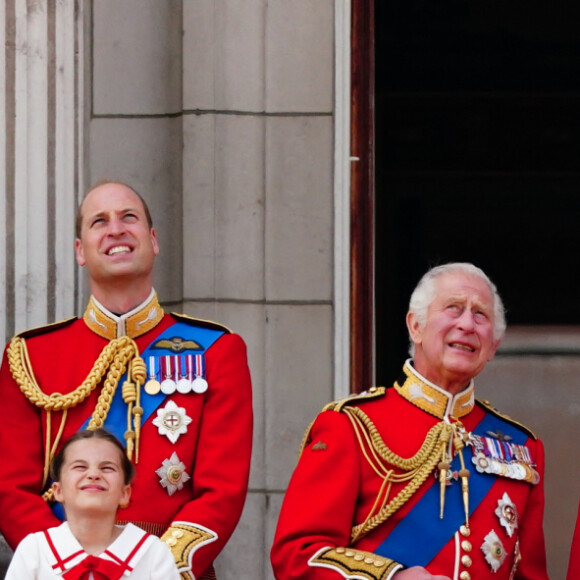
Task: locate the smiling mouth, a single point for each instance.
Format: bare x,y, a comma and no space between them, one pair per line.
460,346
119,250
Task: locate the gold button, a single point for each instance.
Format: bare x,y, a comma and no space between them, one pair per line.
379,563
465,531
466,561
340,550
349,553
368,560
465,575
466,546
359,557
171,542
177,533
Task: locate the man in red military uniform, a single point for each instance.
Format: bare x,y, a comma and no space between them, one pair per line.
420,481
177,390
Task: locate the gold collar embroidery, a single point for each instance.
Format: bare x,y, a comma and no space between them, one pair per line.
433,399
133,324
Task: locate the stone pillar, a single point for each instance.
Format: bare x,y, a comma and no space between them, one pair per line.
41,148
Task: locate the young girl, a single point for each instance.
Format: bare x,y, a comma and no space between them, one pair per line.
92,478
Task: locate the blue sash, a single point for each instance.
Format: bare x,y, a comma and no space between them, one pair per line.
423,520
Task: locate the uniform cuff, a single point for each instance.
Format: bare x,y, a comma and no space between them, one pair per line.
351,563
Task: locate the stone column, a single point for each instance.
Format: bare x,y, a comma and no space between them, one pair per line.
41,152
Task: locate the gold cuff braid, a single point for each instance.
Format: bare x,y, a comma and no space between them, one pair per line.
183,539
353,563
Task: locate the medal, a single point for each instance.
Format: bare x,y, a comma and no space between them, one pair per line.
493,550
168,386
184,383
172,421
507,514
172,474
199,384
152,386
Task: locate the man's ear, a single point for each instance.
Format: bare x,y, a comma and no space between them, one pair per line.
79,254
414,328
154,242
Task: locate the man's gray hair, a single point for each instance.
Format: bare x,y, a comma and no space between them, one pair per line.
425,293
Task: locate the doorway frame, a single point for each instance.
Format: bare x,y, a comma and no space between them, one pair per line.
362,222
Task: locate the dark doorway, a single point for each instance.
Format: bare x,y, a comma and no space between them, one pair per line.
477,142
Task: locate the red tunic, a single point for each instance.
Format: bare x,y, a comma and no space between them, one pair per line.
334,487
215,449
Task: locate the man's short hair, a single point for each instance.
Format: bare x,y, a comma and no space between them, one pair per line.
79,215
425,293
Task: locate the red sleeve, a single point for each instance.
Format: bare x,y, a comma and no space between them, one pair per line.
574,563
224,445
21,457
319,505
531,535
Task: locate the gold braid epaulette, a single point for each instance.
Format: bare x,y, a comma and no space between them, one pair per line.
113,361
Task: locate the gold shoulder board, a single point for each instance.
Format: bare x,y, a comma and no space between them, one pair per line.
355,398
46,328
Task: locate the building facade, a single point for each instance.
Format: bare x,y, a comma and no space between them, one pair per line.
232,119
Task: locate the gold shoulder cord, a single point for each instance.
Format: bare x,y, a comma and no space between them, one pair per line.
120,354
433,453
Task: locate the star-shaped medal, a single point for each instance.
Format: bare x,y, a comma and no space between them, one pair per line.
507,513
493,550
172,421
172,474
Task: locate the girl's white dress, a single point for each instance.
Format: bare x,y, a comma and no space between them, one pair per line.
56,552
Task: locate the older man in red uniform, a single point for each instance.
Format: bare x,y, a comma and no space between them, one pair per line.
177,390
420,481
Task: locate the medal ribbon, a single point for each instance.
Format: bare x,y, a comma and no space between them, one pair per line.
185,368
167,366
153,367
199,366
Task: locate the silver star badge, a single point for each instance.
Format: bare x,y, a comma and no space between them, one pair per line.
172,421
172,474
507,513
493,550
